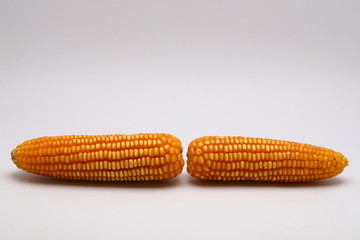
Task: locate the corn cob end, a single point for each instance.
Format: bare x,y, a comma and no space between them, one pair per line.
13,156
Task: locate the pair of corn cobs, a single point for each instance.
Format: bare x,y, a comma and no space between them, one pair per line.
153,157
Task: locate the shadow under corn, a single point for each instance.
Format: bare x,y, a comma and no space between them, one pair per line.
181,180
253,184
29,178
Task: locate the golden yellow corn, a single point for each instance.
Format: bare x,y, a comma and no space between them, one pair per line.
259,159
137,157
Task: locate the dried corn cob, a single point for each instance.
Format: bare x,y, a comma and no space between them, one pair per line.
258,159
137,157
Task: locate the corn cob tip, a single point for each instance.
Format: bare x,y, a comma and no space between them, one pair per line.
13,155
15,158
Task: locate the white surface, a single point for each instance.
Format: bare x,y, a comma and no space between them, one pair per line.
277,69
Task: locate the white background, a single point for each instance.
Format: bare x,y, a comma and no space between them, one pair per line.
277,69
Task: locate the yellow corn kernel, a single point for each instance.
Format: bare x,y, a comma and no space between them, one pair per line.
258,159
120,157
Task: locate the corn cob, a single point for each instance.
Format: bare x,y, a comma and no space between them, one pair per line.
137,157
259,159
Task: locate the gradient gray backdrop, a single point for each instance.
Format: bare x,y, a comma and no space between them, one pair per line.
278,69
